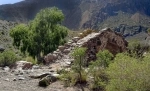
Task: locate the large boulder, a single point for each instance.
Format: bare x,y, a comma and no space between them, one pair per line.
47,80
50,58
104,39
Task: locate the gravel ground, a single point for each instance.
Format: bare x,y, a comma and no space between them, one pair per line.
13,80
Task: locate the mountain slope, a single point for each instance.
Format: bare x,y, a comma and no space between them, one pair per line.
84,13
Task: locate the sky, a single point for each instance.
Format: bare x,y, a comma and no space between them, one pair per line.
9,1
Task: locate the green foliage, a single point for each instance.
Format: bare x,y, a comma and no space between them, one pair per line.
100,79
43,35
129,74
148,30
31,59
136,49
7,58
19,33
71,78
97,70
79,60
104,58
77,73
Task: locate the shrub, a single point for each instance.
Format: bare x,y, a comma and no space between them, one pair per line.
31,59
99,80
86,32
77,73
7,58
128,74
136,49
79,60
97,70
72,78
104,58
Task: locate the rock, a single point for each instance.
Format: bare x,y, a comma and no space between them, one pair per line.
75,39
50,58
128,31
45,81
21,78
6,68
67,44
68,63
24,65
40,75
55,75
35,67
7,79
14,79
73,45
66,51
105,39
61,48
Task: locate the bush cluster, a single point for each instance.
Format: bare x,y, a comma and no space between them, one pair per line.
121,72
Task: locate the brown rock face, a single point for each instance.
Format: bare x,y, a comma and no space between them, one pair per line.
105,39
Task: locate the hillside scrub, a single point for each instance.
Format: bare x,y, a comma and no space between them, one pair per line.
97,70
42,35
129,74
7,58
77,74
109,73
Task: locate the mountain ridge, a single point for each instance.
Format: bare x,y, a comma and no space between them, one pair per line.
80,14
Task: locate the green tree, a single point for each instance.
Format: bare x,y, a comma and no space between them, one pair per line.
97,70
42,35
79,56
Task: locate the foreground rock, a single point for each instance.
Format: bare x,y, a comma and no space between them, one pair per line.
47,80
23,65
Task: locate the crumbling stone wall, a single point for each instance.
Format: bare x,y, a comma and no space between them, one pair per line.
94,42
105,39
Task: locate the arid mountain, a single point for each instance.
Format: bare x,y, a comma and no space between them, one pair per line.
93,14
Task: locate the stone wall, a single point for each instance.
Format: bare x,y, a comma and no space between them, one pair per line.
94,42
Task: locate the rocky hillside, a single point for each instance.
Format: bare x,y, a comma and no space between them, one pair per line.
95,14
5,40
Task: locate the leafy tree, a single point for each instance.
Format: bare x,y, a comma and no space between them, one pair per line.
42,35
79,56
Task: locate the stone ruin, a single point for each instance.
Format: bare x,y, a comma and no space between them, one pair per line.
104,39
94,42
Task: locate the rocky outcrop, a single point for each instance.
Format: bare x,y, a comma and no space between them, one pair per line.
104,39
127,30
